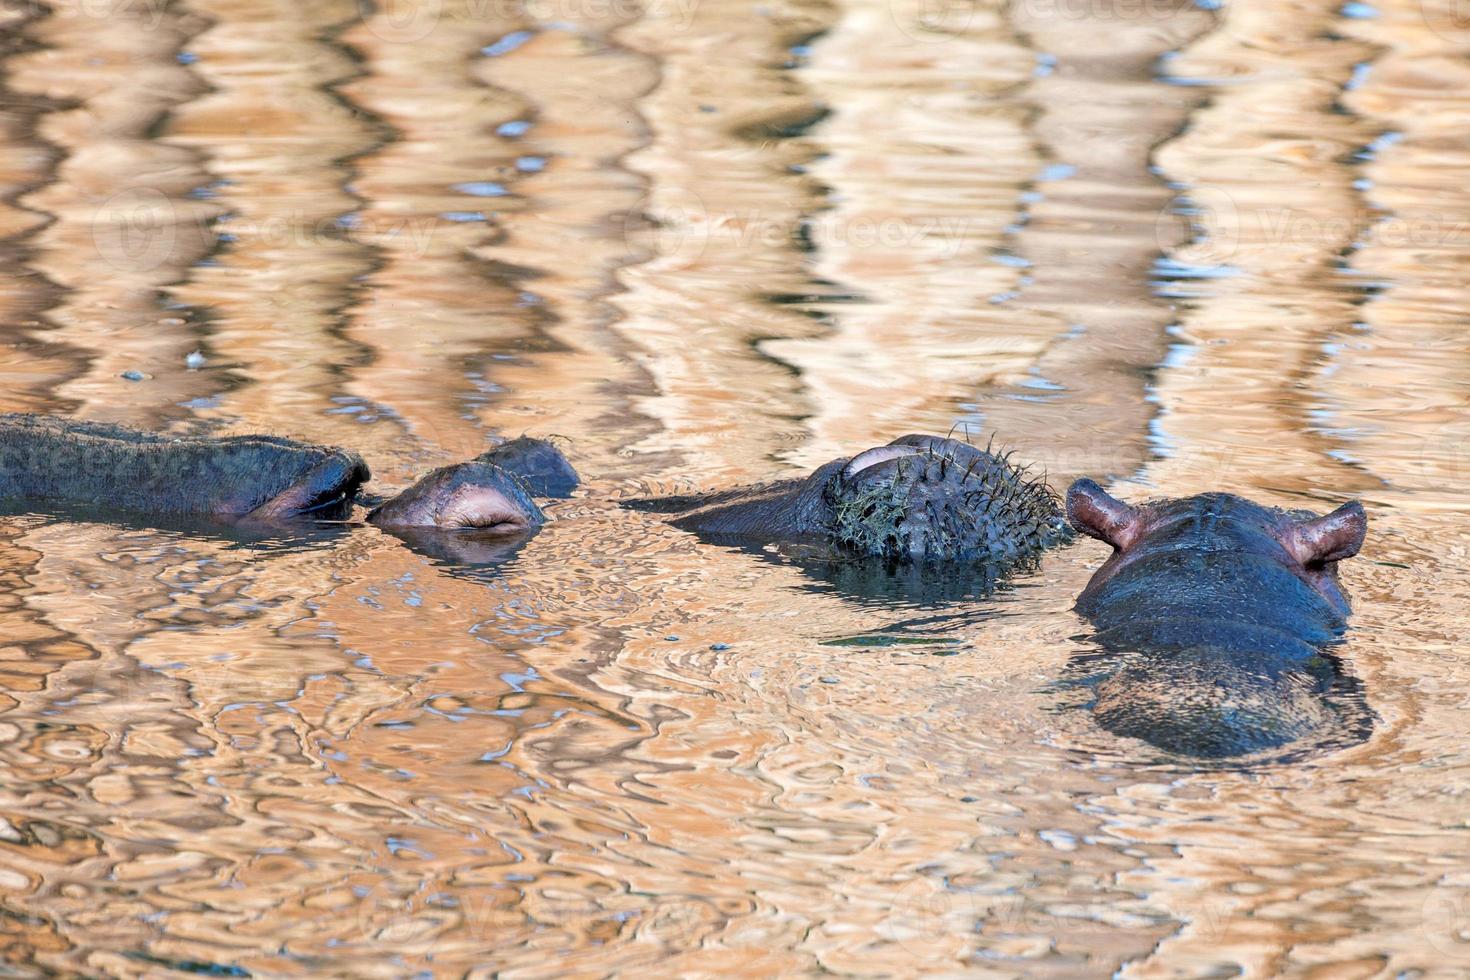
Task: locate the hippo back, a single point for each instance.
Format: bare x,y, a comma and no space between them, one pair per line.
95,464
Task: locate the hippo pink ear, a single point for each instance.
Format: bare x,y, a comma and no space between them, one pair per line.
1337,536
1094,513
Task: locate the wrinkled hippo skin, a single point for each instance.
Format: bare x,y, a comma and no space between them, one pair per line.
918,499
54,461
1216,617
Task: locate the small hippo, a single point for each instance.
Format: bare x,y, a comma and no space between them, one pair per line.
491,493
1215,615
918,499
263,479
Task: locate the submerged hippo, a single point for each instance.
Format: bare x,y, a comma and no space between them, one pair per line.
1215,616
263,479
918,499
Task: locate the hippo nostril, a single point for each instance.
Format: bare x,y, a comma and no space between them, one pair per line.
329,501
873,457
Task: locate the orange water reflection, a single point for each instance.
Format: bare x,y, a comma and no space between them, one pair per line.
708,242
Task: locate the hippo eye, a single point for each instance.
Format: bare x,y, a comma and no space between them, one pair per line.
874,457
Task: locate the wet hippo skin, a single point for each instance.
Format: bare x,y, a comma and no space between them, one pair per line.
51,460
1215,617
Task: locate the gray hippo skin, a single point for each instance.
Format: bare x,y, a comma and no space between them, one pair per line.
55,461
48,461
1216,616
918,499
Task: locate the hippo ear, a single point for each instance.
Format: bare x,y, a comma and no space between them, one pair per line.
1094,513
1337,536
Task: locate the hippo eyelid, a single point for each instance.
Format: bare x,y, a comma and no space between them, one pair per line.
874,457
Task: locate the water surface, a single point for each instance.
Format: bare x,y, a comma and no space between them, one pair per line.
1171,247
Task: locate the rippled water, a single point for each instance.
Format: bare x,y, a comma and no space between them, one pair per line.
1175,247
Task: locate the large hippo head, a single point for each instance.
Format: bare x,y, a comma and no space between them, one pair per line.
1307,546
1215,617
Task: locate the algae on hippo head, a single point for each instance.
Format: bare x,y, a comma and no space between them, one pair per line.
924,498
919,499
